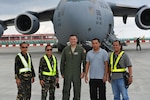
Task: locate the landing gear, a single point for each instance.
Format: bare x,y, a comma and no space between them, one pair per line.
60,47
87,47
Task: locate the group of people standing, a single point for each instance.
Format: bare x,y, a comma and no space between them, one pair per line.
24,73
97,62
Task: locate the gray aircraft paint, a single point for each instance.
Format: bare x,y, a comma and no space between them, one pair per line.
85,18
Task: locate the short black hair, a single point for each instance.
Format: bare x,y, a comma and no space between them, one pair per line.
119,43
23,43
96,39
73,35
48,46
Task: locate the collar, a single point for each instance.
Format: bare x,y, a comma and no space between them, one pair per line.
97,51
48,57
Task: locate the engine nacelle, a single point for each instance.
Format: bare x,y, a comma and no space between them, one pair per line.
27,23
1,30
142,18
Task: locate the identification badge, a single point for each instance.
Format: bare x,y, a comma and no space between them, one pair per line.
75,53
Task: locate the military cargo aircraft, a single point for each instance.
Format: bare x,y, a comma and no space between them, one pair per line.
85,18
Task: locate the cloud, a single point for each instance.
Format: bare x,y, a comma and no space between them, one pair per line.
129,30
131,2
46,27
10,7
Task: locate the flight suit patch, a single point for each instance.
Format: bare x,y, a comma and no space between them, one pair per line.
75,53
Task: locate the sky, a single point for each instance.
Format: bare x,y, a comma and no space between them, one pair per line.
12,8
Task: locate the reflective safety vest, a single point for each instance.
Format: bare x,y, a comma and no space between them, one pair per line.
27,66
114,65
52,70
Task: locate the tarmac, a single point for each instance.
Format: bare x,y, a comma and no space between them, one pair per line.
138,90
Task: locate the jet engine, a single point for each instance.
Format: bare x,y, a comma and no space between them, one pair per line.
142,18
27,23
1,30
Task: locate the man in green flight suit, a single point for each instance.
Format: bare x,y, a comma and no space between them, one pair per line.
70,67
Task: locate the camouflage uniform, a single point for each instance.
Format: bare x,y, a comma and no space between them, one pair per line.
49,81
24,89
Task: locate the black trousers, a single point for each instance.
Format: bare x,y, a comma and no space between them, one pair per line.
97,89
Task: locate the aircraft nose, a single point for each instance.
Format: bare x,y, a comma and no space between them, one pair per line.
76,17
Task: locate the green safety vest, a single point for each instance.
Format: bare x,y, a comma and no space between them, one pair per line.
114,66
52,70
27,66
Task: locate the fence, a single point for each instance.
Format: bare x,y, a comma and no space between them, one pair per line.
30,39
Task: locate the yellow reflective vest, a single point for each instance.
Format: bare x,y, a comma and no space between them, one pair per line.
27,65
52,70
114,64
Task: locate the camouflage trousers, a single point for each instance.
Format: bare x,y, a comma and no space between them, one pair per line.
49,85
24,90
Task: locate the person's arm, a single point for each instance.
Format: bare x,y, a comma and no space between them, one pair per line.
41,68
62,63
17,62
84,59
129,65
83,62
86,71
105,66
32,68
57,73
40,71
32,71
106,71
130,74
109,73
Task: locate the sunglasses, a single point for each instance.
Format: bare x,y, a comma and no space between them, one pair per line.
49,49
24,47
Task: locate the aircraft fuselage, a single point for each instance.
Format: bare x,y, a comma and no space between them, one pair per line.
87,19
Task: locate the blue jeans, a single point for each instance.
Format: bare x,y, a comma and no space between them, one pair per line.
118,88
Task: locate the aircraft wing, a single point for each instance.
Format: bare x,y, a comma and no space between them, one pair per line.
141,14
28,18
45,15
28,22
123,10
118,10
